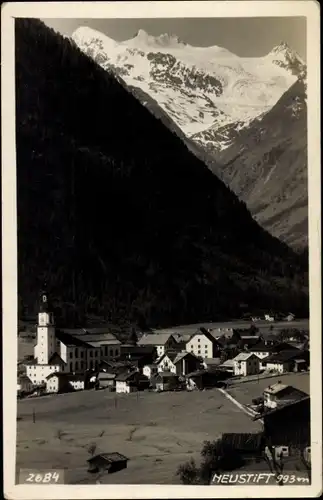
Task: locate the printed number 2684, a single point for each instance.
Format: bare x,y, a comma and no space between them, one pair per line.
46,477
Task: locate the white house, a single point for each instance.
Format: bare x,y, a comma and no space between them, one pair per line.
166,363
268,317
279,394
246,363
64,382
203,344
127,382
262,352
179,363
161,341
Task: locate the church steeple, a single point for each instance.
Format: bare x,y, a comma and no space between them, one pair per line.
44,300
45,315
46,344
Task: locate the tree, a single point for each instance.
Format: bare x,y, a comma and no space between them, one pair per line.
216,456
189,472
133,338
253,329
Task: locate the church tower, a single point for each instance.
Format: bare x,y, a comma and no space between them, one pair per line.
46,341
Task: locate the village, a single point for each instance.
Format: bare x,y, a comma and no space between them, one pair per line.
223,359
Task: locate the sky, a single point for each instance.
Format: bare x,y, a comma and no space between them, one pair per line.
249,37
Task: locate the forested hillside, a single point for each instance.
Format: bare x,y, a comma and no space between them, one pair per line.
117,215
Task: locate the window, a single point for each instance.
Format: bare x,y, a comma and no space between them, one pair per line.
199,340
91,354
112,352
105,350
71,355
76,365
96,354
71,367
205,346
82,354
76,353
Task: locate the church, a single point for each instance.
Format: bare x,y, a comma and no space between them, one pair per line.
67,350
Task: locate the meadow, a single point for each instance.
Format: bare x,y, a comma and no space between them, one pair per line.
157,432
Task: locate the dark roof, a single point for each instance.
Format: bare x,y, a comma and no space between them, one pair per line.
106,376
124,376
209,335
284,356
55,359
100,337
162,375
285,346
108,457
243,441
66,376
250,341
32,361
261,347
138,349
292,405
70,340
170,354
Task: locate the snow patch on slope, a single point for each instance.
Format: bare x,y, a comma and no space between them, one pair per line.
203,89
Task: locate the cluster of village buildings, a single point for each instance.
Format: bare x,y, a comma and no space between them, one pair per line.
76,359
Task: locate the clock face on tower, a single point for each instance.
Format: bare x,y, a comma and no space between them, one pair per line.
44,302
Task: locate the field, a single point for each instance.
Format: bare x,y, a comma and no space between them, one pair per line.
245,392
301,324
157,432
25,347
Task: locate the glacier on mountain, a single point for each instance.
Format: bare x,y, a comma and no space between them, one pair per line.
209,92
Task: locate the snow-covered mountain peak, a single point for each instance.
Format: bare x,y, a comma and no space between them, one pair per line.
281,47
285,53
85,35
142,39
200,88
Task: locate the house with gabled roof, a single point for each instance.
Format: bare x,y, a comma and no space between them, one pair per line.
286,361
246,363
279,394
179,363
289,426
166,381
130,381
203,344
109,462
161,341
